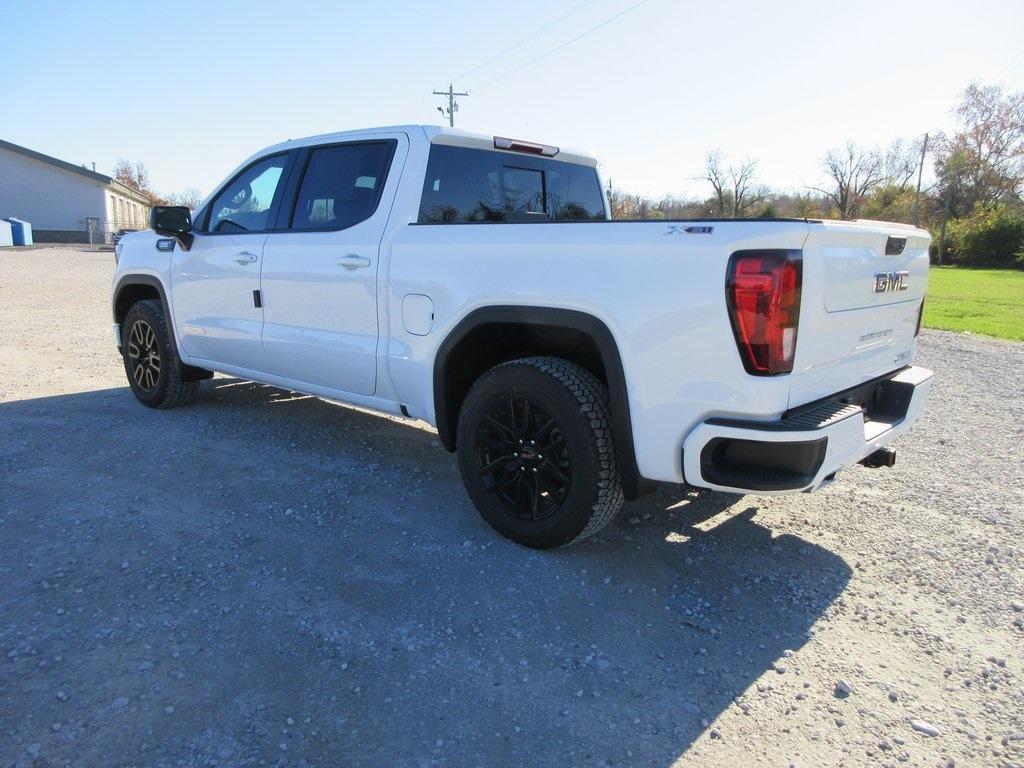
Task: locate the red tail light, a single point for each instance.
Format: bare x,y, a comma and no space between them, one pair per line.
763,293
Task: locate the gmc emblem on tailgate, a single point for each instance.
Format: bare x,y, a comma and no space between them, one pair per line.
891,282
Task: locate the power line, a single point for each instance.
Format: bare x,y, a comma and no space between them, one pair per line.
557,48
528,38
1008,64
512,47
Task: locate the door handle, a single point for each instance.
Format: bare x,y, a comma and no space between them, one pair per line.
353,261
245,257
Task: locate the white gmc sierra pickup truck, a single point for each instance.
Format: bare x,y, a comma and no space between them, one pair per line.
478,283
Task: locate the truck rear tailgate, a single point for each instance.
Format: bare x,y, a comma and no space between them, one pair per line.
863,283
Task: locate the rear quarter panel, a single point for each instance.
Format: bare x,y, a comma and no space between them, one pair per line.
659,290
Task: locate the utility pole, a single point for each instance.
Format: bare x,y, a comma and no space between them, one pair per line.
917,197
453,106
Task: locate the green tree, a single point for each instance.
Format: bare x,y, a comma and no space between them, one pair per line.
992,235
983,161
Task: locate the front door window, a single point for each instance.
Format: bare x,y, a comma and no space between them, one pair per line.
244,204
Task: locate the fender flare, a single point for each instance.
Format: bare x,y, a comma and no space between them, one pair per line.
618,394
139,279
188,372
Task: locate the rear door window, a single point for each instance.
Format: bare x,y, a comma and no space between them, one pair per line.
341,185
465,185
461,186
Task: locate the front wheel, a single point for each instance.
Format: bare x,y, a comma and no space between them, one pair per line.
150,360
536,453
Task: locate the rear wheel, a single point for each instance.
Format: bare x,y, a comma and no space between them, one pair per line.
536,453
150,361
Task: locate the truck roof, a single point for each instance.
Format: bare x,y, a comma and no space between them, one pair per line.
438,134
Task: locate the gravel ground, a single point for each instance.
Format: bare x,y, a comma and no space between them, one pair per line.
268,579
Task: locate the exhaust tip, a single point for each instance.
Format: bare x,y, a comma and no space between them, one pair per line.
883,457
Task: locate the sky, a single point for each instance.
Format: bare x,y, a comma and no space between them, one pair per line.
193,88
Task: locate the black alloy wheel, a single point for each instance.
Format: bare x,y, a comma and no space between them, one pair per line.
523,458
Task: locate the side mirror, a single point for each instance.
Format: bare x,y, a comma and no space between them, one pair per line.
174,221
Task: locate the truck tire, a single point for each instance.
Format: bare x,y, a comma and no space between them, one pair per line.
535,451
151,361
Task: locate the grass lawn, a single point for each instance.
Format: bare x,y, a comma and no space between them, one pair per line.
986,301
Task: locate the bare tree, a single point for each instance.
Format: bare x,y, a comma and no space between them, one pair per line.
134,175
899,163
852,173
673,207
745,193
190,197
735,190
718,177
629,206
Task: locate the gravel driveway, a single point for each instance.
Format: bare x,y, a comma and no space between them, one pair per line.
264,578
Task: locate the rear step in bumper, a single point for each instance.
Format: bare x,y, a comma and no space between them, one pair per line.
809,444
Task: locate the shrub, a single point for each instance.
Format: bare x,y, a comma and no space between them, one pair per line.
889,203
990,236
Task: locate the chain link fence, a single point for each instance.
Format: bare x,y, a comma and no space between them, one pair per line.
109,235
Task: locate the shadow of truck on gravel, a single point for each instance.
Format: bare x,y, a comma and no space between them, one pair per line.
264,576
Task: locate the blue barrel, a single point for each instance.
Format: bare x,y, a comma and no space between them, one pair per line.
21,231
6,237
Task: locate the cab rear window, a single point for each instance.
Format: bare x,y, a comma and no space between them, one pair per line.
465,185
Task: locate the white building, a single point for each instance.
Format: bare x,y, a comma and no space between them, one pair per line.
66,203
